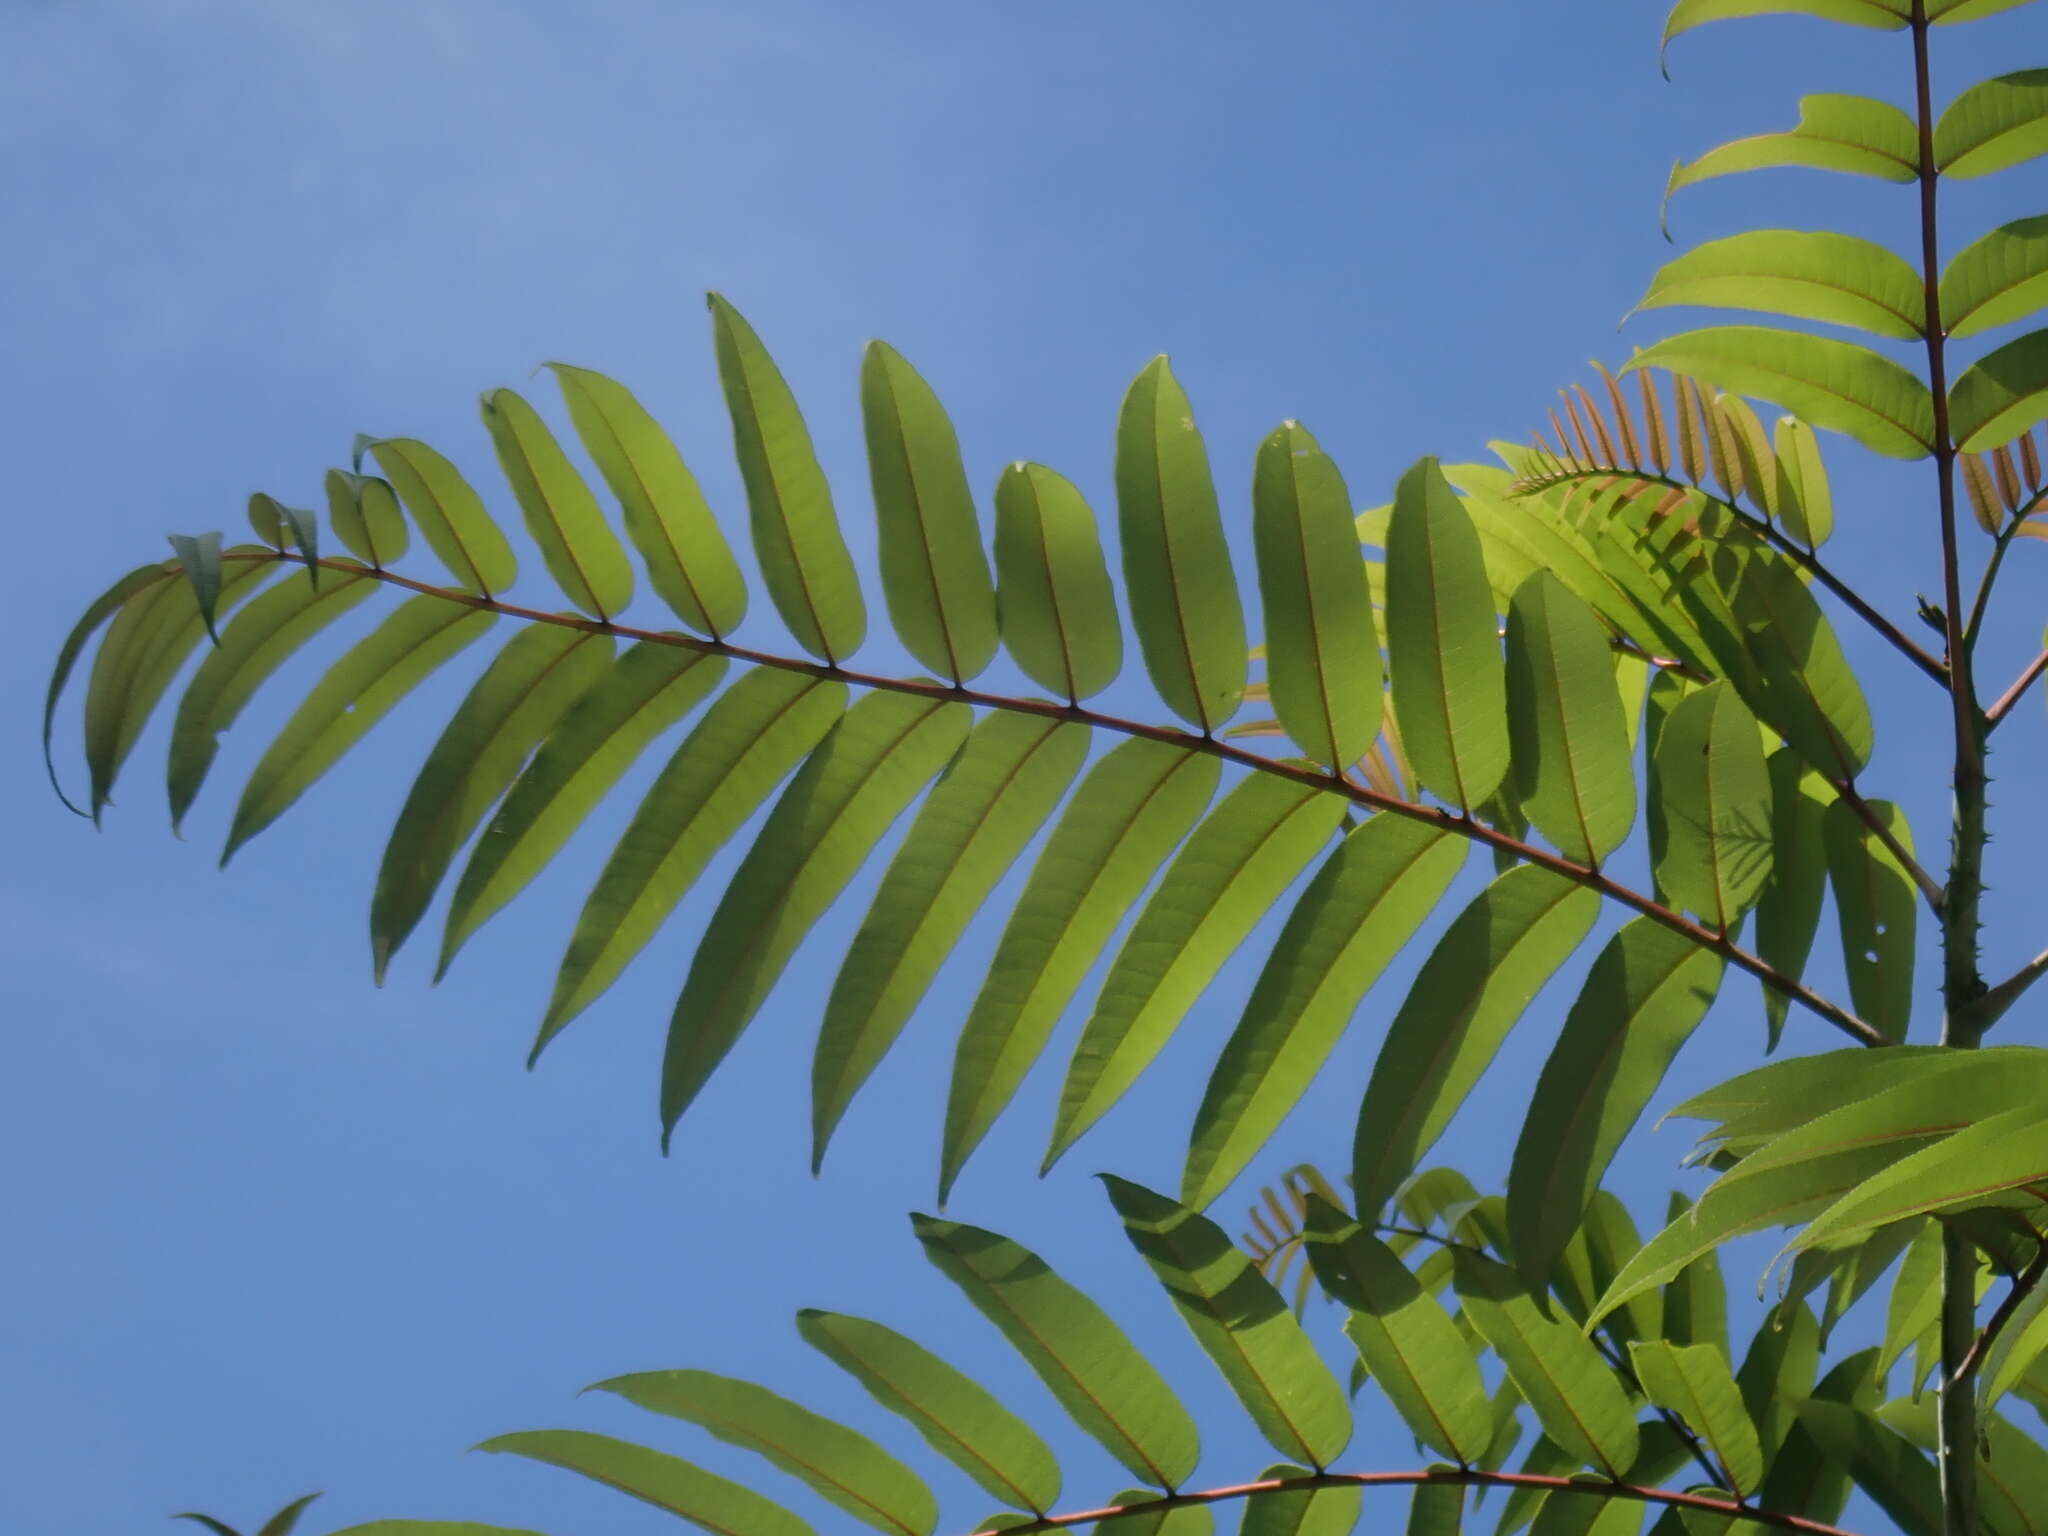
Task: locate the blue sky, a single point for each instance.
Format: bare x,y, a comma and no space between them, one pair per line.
272,1229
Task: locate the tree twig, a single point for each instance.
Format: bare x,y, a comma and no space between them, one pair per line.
2022,1286
1989,1008
1450,1477
2006,700
1857,1029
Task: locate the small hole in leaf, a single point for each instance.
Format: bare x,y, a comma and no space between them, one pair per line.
1870,955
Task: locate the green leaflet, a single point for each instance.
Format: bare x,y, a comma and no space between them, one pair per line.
1877,909
1694,1382
1797,680
582,554
1788,910
1476,983
358,691
1576,1398
1886,1466
803,556
363,512
1851,134
745,745
689,564
1443,646
1322,649
1803,1477
1997,279
108,605
934,574
1231,873
1696,1299
461,1527
654,1477
199,558
154,632
286,1520
1970,1168
840,1466
1839,279
1304,1512
989,804
1834,384
1947,12
957,1417
1993,125
1714,801
877,760
1777,1373
1241,1322
1106,1385
2012,1469
1436,1509
1607,1239
527,689
283,528
646,691
2018,1346
2001,395
1915,1302
1805,504
1187,1520
450,514
260,640
1177,569
1570,740
1884,15
1408,1342
1135,805
1358,913
1054,598
1644,996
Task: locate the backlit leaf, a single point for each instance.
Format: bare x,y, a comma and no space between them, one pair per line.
521,697
646,691
1134,806
989,804
1576,1398
1177,568
1835,384
1805,503
745,745
1099,1377
2002,394
1887,1467
803,556
1476,983
286,527
934,573
877,760
1851,134
654,1477
1997,279
1357,914
363,511
450,515
1307,1512
1695,1383
1241,1322
689,564
1448,679
1322,649
1569,739
262,638
1408,1342
1994,124
1232,871
357,692
582,553
1644,996
1877,907
155,577
1056,604
1839,279
1788,909
1714,798
959,1419
840,1466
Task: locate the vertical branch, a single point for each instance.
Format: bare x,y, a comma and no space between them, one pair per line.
1961,983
